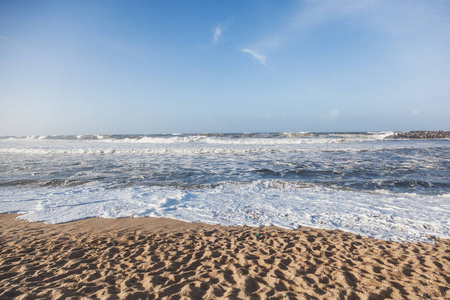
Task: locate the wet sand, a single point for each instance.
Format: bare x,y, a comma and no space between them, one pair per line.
152,258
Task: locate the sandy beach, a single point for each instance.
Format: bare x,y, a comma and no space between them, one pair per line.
152,258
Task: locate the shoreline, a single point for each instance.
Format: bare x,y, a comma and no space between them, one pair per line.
154,258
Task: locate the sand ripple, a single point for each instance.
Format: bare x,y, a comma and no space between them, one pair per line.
186,261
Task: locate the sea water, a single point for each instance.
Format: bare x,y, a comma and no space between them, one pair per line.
365,183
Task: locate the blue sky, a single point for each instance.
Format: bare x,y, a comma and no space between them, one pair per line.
86,67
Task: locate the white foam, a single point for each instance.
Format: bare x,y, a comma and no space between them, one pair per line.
287,204
245,141
190,145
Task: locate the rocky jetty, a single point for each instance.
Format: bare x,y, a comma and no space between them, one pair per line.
423,135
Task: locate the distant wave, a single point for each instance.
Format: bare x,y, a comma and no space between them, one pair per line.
156,151
181,151
236,138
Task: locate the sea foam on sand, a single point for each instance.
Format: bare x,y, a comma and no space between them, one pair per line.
382,215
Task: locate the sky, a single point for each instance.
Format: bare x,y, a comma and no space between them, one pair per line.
137,67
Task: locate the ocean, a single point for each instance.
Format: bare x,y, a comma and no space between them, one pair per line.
364,182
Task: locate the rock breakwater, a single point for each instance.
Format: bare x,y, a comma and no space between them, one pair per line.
423,134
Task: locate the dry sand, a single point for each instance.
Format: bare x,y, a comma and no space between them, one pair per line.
150,258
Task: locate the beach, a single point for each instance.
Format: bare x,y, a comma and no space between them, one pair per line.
224,150
161,258
224,216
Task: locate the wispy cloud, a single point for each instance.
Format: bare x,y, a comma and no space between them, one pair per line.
413,23
217,33
220,29
331,115
312,14
259,57
334,113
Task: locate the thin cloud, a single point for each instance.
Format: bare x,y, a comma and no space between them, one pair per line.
259,57
331,115
415,21
312,14
334,113
220,29
217,33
